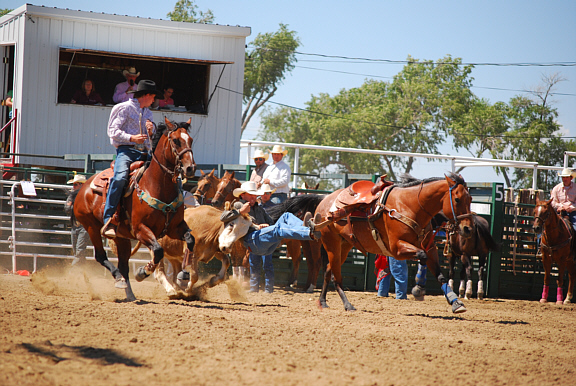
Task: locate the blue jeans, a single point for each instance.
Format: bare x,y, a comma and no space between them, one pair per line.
264,241
278,198
125,155
399,270
256,269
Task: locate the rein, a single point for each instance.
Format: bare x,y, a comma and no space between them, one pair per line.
556,246
177,163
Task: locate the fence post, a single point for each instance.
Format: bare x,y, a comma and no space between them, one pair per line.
496,225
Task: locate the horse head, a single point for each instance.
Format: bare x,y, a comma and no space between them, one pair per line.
457,205
206,187
177,149
233,230
225,189
542,212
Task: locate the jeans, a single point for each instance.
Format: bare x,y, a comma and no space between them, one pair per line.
278,198
80,240
399,270
256,269
125,155
264,241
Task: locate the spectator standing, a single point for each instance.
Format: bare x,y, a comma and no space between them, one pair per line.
260,161
80,238
277,175
387,267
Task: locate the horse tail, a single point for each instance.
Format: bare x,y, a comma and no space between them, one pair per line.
297,205
483,231
136,248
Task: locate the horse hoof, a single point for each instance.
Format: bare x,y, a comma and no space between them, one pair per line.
559,302
480,295
418,292
458,307
567,301
349,307
543,301
140,274
121,283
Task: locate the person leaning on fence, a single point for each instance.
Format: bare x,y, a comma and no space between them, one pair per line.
277,175
564,196
80,238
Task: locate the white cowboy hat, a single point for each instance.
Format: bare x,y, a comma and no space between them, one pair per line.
78,178
249,187
567,172
265,188
130,71
278,150
260,154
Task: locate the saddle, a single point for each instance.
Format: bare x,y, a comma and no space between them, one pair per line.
357,198
101,181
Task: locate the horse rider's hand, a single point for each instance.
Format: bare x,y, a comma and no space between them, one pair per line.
138,138
265,181
149,127
260,226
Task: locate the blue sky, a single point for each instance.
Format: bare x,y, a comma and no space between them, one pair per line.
477,31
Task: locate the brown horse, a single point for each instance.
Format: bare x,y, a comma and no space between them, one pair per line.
206,187
225,189
152,209
558,245
480,243
399,227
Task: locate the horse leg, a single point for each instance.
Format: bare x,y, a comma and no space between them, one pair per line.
145,271
293,251
481,268
560,281
467,270
193,267
311,250
547,263
337,272
124,249
100,256
163,279
571,267
183,277
452,262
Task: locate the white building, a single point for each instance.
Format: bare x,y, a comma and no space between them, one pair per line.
48,52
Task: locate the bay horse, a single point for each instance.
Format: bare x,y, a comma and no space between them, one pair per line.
399,227
213,238
206,187
152,209
298,206
480,243
225,189
558,244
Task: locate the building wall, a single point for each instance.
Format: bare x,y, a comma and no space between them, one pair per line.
57,129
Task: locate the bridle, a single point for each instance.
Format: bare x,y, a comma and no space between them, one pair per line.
455,222
202,197
547,211
177,154
224,192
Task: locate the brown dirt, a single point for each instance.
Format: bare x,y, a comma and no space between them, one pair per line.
76,330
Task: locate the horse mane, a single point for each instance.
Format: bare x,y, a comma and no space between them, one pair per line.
407,180
297,205
161,129
483,232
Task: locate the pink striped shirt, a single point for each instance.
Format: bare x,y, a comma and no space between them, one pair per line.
562,195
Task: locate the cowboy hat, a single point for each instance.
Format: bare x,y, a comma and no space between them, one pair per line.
145,87
265,188
260,154
249,187
567,172
278,150
78,179
131,71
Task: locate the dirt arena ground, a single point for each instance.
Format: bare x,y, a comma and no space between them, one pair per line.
76,329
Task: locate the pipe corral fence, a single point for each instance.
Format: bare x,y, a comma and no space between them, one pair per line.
35,232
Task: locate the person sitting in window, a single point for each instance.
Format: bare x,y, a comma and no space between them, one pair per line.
121,92
87,95
167,98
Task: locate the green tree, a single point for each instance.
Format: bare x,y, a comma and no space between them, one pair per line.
4,11
186,10
267,63
412,113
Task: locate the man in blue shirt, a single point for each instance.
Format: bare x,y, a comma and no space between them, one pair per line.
129,128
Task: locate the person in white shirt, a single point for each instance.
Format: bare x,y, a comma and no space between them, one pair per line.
277,175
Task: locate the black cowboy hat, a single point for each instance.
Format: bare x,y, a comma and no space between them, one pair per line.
146,87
